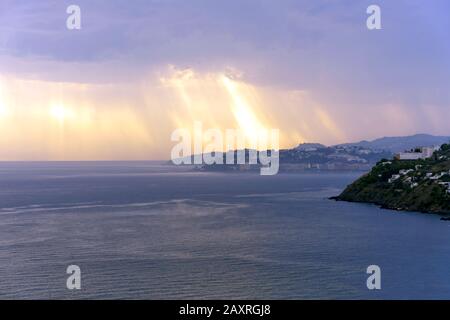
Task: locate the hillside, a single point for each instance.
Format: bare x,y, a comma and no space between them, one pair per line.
360,156
413,185
308,157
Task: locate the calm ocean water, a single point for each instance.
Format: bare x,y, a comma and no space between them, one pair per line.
142,230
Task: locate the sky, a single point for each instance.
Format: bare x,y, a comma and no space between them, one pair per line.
137,70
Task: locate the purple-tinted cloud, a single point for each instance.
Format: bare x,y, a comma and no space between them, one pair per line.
323,47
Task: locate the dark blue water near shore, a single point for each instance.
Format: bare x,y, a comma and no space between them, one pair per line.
143,230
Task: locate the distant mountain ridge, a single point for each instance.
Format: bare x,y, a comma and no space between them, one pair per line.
309,146
360,156
398,144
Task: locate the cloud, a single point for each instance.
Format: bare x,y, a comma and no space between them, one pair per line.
311,68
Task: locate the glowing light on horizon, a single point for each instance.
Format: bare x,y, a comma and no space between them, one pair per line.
3,110
61,113
55,121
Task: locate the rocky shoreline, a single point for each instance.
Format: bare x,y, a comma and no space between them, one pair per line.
415,185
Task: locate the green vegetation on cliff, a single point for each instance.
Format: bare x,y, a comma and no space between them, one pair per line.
413,185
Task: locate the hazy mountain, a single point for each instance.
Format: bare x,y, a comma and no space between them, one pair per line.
398,144
309,146
349,156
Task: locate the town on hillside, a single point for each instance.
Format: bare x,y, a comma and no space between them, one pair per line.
417,180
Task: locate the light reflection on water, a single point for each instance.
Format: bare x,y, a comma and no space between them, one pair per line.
146,230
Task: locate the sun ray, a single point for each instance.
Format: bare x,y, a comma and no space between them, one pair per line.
245,117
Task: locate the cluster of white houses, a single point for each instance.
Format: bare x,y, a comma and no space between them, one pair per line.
412,177
446,185
412,181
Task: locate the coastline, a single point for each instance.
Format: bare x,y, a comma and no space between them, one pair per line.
445,216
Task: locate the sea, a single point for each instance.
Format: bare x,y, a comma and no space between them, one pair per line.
148,230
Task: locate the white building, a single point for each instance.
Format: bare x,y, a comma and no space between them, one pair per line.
405,171
393,178
425,152
428,151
